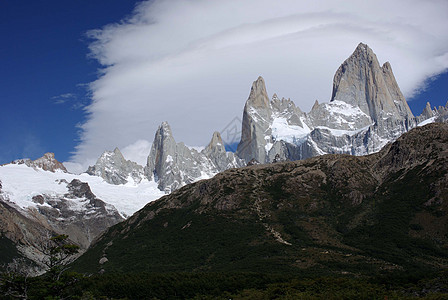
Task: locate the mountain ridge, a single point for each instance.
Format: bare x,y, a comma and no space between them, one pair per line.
366,111
339,213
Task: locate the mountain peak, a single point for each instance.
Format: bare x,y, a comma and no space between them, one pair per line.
216,141
361,82
47,163
115,169
256,121
427,111
117,151
363,48
165,128
258,96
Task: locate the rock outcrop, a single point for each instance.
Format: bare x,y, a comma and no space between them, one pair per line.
366,111
115,169
47,163
173,165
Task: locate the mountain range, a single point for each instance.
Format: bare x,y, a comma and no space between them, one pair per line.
366,113
331,214
367,110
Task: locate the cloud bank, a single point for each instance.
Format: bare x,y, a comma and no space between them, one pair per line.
192,63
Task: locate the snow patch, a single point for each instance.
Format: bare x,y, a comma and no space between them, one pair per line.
21,183
293,134
343,108
427,121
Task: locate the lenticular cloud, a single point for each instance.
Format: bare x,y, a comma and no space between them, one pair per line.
192,63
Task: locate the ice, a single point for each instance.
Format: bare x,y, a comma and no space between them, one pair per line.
20,183
281,130
343,108
427,121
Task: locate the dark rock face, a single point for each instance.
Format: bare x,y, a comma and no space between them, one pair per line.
334,213
79,189
253,162
78,213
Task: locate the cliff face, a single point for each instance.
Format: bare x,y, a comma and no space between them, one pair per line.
173,165
366,111
362,82
332,213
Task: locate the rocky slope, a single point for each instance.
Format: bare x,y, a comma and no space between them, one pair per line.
331,214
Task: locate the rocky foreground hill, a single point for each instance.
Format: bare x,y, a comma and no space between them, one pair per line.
333,214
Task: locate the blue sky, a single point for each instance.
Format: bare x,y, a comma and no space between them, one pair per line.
43,55
50,65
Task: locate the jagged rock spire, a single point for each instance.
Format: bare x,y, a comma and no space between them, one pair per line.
173,164
256,120
215,143
115,169
361,82
258,97
162,151
427,111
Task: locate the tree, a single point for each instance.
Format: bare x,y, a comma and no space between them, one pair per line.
14,280
58,254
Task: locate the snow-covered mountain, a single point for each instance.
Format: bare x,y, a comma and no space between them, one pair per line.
37,202
115,169
171,165
367,110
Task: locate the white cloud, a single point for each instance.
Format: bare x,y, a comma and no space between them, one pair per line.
76,168
137,152
63,98
192,63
